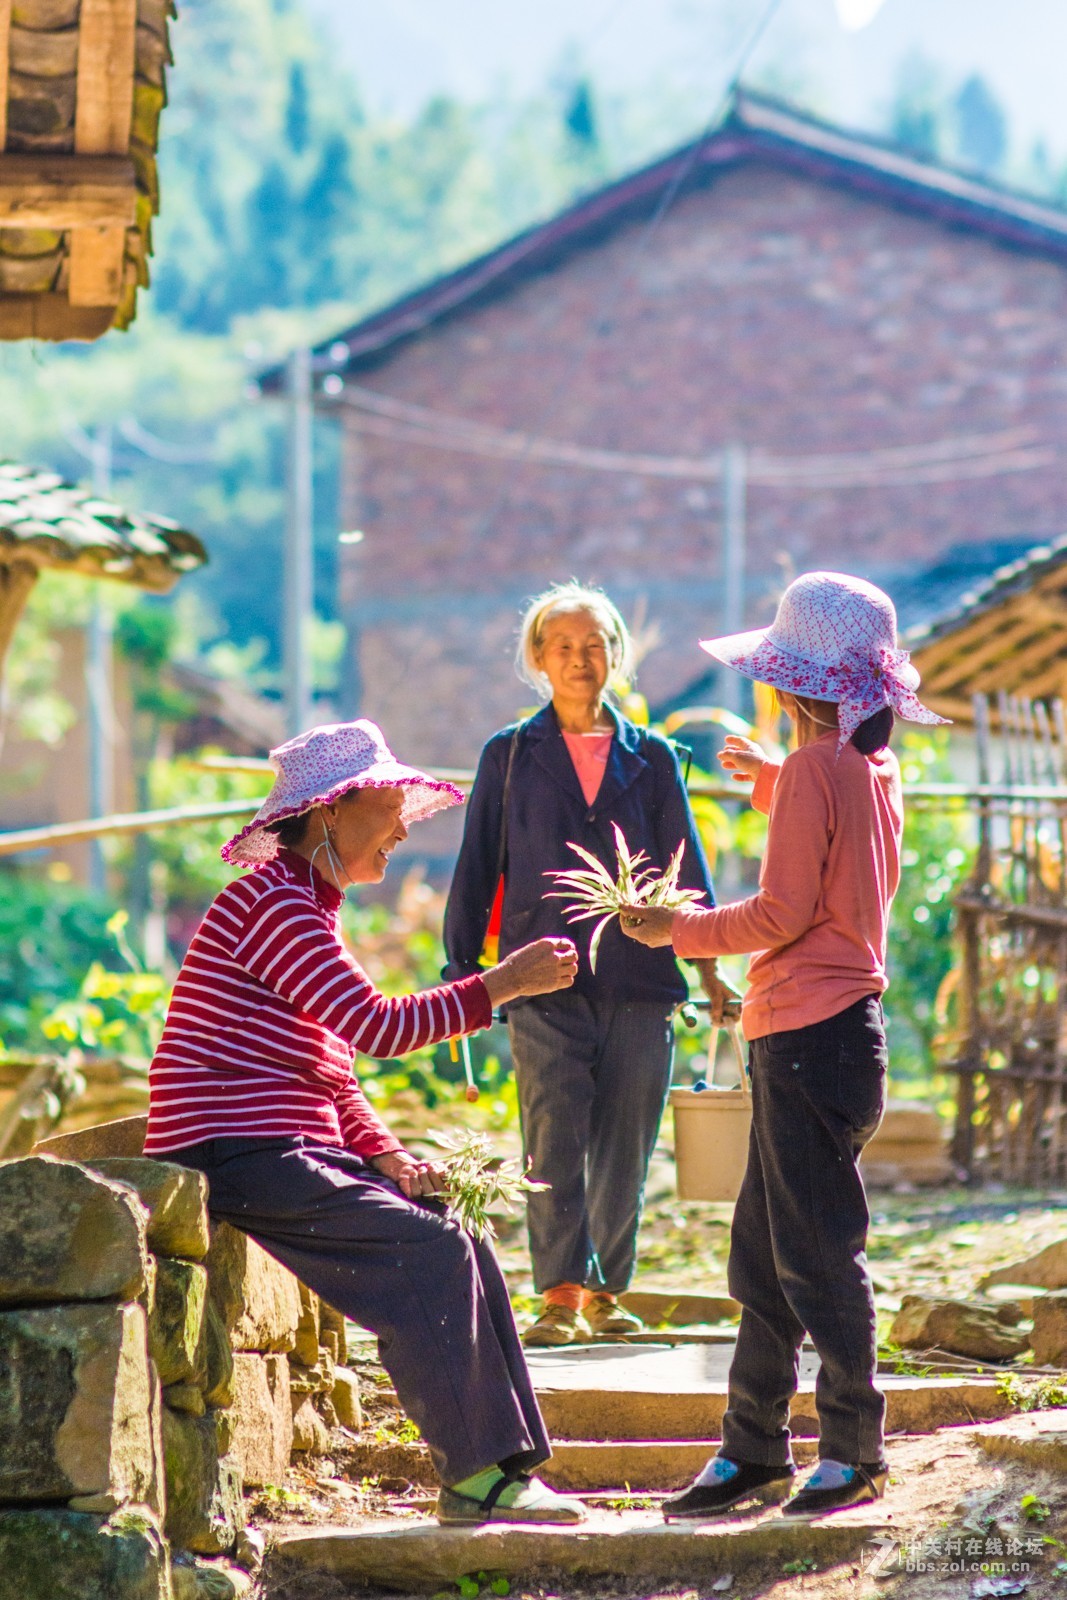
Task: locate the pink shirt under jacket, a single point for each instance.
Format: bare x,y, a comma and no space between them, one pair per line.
830,871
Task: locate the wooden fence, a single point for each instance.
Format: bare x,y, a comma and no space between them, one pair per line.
1011,1041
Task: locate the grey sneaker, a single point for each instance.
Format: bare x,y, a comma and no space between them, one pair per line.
530,1501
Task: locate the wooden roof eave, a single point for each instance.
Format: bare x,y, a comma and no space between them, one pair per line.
1018,645
84,175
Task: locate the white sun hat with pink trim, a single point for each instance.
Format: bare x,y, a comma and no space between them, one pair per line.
834,638
320,766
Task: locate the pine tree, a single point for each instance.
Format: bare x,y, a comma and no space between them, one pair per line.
981,128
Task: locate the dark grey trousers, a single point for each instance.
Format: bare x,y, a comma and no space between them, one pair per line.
434,1296
798,1260
592,1077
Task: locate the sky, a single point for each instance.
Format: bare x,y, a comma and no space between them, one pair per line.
405,50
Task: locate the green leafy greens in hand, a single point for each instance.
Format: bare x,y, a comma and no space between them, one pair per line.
476,1180
597,894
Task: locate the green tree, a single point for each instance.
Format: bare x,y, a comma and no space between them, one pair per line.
936,857
917,113
981,127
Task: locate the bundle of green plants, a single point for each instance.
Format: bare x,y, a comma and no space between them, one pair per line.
595,893
478,1181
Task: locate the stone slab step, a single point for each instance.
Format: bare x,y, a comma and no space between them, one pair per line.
640,1466
1039,1442
694,1333
659,1306
421,1557
644,1392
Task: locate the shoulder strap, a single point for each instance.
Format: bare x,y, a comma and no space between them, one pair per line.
503,850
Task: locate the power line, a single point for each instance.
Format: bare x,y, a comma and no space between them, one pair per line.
937,461
150,444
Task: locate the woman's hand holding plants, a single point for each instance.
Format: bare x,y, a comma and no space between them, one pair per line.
413,1178
742,757
537,968
649,925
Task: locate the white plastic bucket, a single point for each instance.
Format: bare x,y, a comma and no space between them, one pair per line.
711,1128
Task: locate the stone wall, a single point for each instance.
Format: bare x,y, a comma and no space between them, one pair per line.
151,1368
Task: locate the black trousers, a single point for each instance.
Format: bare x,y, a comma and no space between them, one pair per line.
434,1296
798,1259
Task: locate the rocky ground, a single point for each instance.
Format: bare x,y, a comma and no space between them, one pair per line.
957,1521
944,1487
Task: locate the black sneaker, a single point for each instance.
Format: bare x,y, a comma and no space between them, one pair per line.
767,1485
863,1483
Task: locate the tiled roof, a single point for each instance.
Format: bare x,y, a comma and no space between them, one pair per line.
1007,633
982,590
925,597
50,523
756,129
79,129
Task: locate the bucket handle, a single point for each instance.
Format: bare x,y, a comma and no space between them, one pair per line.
732,1025
733,1028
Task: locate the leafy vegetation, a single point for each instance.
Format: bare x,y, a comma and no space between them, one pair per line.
477,1182
595,893
1034,1509
1033,1394
121,1012
50,934
937,855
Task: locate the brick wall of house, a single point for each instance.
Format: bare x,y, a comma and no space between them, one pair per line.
769,309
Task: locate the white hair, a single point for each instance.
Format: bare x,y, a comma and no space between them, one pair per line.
560,600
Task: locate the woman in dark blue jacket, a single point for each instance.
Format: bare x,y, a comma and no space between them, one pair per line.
593,1065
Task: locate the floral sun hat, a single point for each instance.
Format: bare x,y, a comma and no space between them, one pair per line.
834,638
318,767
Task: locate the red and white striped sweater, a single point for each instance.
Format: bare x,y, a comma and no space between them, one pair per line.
267,1012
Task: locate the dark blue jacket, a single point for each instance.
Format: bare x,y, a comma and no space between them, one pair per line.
642,790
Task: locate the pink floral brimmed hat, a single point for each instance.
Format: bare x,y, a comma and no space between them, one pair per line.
318,767
834,638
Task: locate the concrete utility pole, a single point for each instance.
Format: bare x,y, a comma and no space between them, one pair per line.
733,485
99,676
299,553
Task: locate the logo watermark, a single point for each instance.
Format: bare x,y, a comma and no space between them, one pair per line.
979,1556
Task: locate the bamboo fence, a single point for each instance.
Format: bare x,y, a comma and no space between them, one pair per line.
1010,1045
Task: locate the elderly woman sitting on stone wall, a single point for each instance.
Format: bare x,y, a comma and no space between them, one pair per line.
253,1085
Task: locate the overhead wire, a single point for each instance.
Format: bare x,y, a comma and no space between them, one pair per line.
935,461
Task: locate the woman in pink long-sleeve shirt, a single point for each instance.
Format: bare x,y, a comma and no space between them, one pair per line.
813,1017
829,874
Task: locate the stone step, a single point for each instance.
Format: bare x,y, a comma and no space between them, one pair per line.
1039,1442
634,1546
640,1466
662,1306
645,1392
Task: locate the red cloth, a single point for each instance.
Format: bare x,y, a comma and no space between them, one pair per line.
267,1012
829,874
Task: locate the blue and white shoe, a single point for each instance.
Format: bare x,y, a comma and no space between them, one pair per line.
835,1485
724,1484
